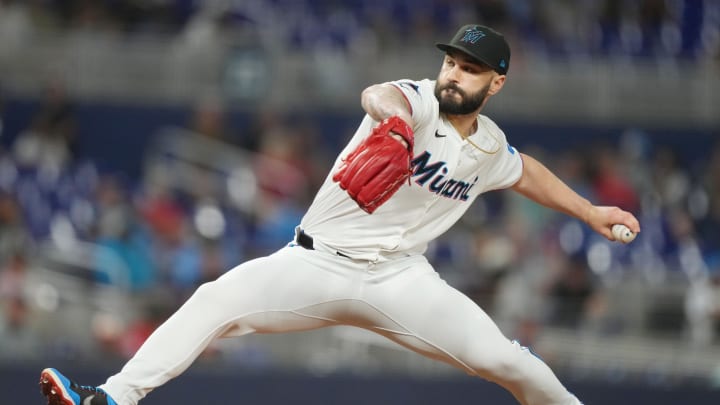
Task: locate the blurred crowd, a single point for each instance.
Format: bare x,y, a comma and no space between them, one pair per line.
156,237
630,28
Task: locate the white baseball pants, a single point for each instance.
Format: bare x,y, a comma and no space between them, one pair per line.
296,289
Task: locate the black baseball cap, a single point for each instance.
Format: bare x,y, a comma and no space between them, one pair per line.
483,44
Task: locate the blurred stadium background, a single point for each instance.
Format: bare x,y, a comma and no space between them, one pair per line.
148,146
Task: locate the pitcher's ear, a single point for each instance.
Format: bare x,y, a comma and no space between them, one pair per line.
497,84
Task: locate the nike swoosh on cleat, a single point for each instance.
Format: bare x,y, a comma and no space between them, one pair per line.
439,135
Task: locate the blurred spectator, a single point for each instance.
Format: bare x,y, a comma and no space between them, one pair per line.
209,119
49,140
707,212
15,25
571,168
274,224
520,304
205,26
17,334
634,149
122,338
213,262
282,169
176,253
610,181
702,310
686,248
571,292
282,173
494,255
14,236
670,178
119,232
13,275
19,341
156,309
261,122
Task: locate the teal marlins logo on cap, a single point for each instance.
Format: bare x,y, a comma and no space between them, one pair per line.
472,35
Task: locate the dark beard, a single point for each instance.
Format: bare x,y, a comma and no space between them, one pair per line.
467,105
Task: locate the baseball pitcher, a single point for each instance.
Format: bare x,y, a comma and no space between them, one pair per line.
421,155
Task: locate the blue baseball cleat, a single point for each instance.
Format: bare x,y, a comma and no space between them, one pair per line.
59,390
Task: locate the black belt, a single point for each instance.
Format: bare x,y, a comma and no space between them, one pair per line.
306,241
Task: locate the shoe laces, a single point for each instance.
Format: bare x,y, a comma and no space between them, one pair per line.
92,389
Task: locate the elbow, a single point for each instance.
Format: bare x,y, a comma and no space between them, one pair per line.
382,101
521,184
369,96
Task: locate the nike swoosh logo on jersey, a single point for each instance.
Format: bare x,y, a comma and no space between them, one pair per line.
439,135
88,400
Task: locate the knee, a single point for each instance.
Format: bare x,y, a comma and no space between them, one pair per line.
208,293
506,364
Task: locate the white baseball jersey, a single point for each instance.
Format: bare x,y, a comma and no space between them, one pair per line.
448,174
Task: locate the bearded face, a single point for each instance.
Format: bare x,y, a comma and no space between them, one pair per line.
455,101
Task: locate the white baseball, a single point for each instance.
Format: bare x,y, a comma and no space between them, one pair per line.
622,233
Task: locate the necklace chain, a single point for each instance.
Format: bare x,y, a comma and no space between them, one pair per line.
497,141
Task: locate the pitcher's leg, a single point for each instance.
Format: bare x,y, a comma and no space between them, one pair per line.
420,311
263,295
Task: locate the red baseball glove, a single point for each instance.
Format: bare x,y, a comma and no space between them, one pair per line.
376,169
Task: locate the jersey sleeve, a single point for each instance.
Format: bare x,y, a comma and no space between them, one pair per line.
507,165
421,98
